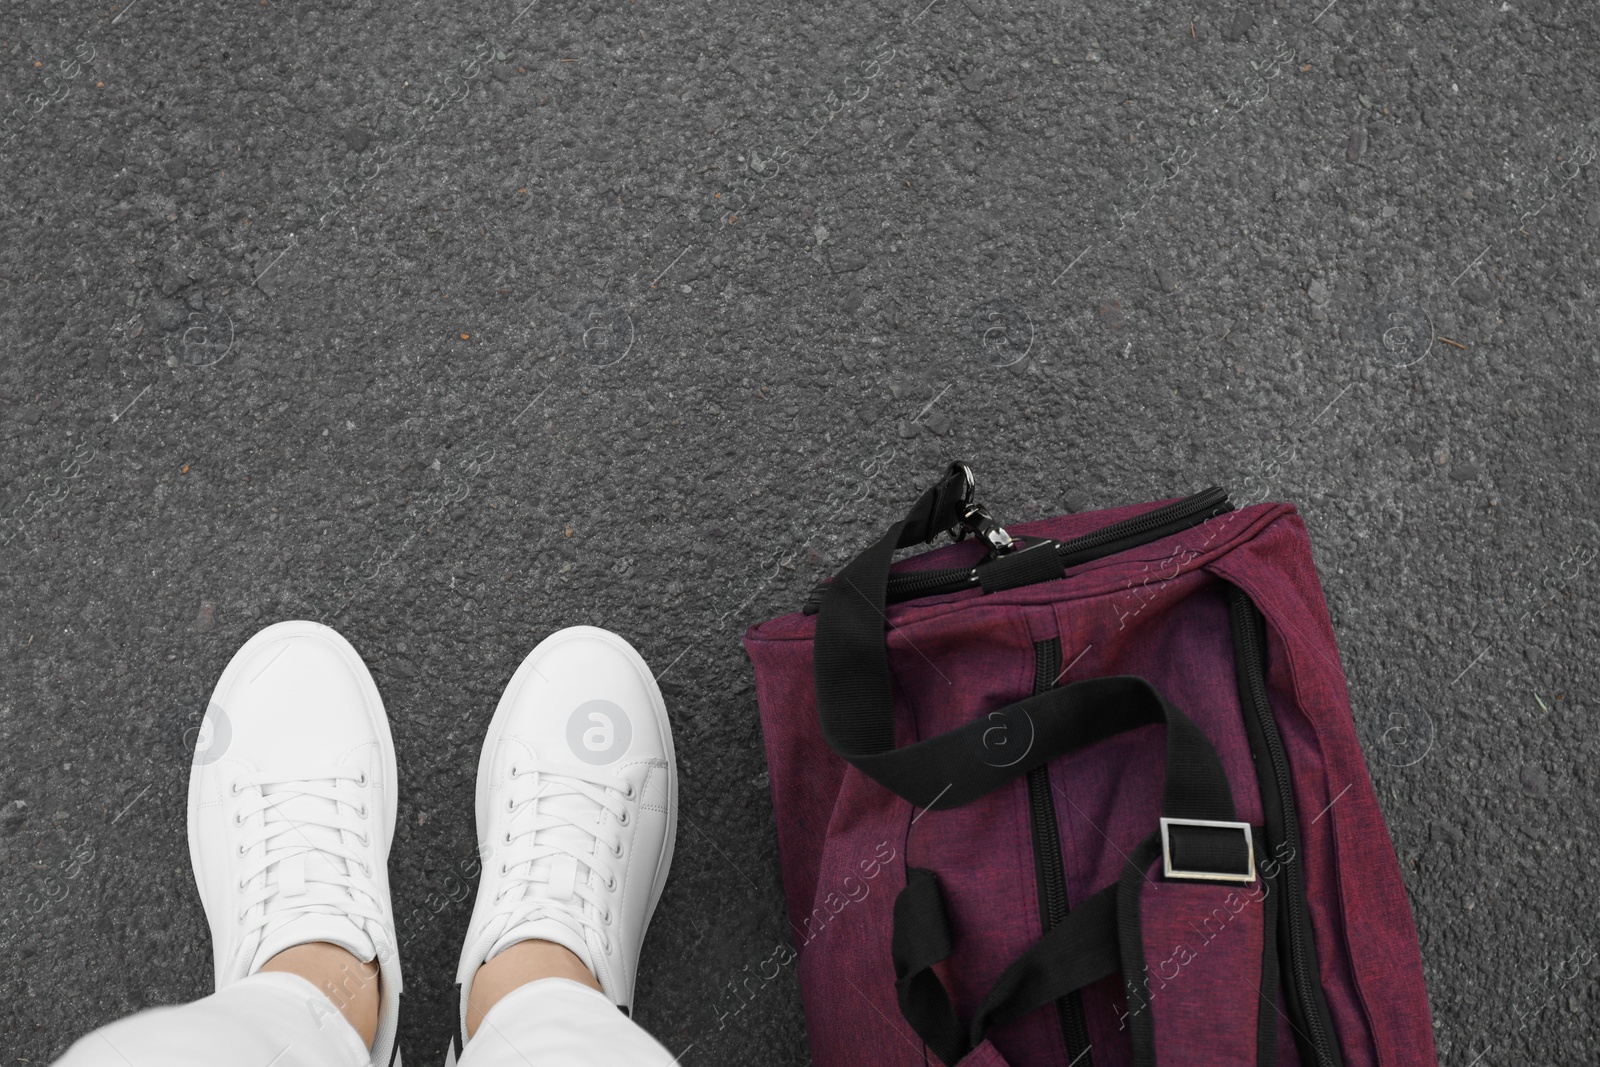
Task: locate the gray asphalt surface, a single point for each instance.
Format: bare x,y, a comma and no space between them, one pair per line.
450,325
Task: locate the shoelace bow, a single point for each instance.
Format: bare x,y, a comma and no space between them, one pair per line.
556,780
329,887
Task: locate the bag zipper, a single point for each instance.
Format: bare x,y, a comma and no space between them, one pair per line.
1049,870
1307,1003
1118,537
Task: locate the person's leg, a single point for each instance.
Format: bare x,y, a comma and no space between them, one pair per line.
576,815
291,812
277,1018
556,1022
524,962
351,984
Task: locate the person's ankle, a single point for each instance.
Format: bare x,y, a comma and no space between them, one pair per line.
524,962
351,984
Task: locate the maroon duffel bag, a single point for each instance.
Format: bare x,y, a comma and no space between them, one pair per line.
1083,792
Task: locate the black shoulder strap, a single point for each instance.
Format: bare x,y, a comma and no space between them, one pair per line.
852,661
855,700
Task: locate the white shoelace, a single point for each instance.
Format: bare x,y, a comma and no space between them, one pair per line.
303,842
560,815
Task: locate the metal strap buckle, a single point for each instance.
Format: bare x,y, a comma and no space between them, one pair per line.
1170,871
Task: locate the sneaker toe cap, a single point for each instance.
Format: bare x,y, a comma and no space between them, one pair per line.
300,689
598,701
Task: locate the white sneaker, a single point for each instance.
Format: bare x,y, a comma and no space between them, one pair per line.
291,811
577,808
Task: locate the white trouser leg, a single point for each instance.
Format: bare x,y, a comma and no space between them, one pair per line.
555,1022
269,1017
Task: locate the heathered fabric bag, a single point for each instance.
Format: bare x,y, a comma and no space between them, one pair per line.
1087,792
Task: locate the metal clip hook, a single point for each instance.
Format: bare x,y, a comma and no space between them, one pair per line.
976,519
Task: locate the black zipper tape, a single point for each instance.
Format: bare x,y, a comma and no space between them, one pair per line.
1307,1007
1049,871
1118,537
1271,969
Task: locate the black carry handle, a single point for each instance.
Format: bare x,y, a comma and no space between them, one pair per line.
855,700
1081,950
1100,936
